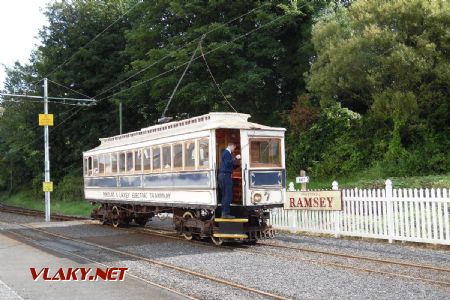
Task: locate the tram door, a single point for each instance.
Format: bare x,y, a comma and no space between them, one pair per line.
223,137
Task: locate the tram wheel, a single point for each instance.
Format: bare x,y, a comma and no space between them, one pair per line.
217,241
115,216
186,231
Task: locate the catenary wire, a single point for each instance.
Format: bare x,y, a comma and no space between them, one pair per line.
70,89
214,79
182,76
93,39
185,63
179,48
50,130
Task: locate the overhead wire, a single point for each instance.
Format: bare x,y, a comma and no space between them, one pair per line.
70,89
50,130
93,39
214,79
182,76
179,48
195,58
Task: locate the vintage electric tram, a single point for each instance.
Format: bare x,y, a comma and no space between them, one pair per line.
172,168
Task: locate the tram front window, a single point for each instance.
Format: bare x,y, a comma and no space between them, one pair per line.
265,152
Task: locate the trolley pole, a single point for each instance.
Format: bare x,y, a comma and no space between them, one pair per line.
120,117
46,154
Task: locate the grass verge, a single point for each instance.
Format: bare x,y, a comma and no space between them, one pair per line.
25,199
366,181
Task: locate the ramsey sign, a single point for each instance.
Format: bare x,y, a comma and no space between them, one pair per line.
319,200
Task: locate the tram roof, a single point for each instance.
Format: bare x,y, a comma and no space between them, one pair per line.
213,120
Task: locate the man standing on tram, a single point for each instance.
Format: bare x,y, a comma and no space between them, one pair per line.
227,164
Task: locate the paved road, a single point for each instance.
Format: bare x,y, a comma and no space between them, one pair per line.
17,257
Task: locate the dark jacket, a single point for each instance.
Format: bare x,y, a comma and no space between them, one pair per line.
227,162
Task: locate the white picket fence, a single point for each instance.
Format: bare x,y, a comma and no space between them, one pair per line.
416,215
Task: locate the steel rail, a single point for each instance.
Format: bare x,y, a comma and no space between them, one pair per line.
432,281
367,258
101,264
37,213
162,264
158,232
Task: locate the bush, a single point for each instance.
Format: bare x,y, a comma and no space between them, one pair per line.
69,188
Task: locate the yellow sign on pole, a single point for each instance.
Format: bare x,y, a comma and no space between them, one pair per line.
45,119
47,186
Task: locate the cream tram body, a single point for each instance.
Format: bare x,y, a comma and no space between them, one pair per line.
175,164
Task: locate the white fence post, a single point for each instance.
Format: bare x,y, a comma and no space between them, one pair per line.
337,214
292,213
390,211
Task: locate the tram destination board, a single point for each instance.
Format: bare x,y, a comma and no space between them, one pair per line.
314,200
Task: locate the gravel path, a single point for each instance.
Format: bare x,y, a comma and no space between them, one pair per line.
291,276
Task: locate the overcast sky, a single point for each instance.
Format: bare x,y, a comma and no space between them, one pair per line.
20,21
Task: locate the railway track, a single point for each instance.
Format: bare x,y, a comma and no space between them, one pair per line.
38,213
71,253
254,249
155,262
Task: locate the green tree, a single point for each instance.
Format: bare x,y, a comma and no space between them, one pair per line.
260,73
390,62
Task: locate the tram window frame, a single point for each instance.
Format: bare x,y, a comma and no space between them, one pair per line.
158,156
206,158
114,163
85,166
177,167
186,153
121,167
101,164
137,156
95,165
167,147
148,159
108,164
129,166
254,164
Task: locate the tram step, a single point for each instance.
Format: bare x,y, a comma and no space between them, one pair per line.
230,235
235,220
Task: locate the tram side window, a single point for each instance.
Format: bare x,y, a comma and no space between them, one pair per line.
147,157
203,154
86,166
114,162
108,164
166,158
138,160
95,167
156,151
189,155
178,156
130,162
122,162
101,164
89,166
265,153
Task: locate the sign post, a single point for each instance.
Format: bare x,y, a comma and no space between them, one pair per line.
46,120
46,155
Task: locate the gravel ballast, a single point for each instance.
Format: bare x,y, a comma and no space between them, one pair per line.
290,276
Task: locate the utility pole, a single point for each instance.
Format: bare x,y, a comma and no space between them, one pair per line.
46,120
46,154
